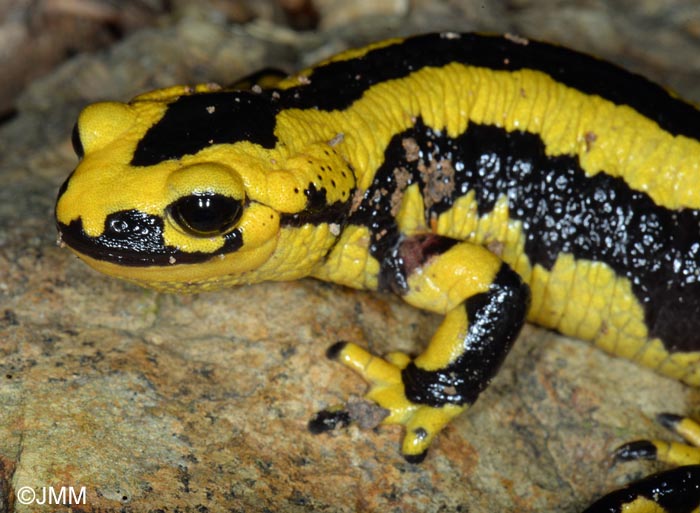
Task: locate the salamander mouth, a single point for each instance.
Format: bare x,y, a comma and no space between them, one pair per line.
135,239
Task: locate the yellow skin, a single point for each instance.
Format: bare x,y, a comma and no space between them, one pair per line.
464,255
267,176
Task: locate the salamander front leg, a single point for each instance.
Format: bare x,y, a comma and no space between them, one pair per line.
484,303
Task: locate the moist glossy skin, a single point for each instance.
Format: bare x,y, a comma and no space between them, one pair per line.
673,491
483,178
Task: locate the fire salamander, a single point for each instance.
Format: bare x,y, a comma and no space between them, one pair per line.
487,179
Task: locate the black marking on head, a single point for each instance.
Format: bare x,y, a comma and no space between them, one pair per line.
77,142
317,211
337,85
675,490
562,210
315,198
64,186
495,318
192,123
132,238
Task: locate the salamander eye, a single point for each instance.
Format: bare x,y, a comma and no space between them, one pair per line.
77,143
206,215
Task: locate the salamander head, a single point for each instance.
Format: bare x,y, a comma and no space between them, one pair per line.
168,195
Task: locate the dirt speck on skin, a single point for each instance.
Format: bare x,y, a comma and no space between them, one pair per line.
357,197
496,247
412,150
437,176
439,179
589,139
402,178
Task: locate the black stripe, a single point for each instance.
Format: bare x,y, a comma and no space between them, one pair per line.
495,318
132,238
337,85
197,121
334,213
597,218
193,123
